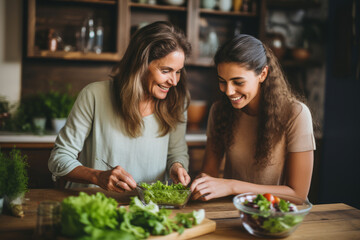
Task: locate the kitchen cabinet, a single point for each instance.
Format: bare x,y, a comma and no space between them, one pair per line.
64,19
304,37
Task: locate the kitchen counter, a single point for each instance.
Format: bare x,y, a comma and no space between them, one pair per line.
325,221
37,148
196,138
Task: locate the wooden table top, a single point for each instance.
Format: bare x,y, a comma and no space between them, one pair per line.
326,221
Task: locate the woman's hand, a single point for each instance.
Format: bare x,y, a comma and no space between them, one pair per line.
116,179
179,174
205,187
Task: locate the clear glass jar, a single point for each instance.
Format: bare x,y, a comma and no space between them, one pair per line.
48,220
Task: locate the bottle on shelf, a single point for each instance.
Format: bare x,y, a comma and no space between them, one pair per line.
87,36
237,28
53,44
82,42
90,36
99,37
237,5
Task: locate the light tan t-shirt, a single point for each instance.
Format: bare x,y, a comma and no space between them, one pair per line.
240,159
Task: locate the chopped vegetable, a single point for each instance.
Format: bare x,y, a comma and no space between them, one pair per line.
175,194
269,197
262,202
98,217
188,219
268,204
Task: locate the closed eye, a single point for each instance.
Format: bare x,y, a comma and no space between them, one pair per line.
238,83
221,81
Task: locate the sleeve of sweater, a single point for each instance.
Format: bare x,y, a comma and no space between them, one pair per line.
71,138
178,150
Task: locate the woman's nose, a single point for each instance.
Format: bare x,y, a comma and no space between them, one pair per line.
229,90
173,79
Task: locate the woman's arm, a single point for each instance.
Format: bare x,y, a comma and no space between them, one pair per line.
116,179
298,173
212,159
178,158
64,162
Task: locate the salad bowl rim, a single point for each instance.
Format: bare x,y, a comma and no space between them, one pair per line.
241,207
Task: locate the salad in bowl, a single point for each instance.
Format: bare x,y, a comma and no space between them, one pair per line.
164,194
268,215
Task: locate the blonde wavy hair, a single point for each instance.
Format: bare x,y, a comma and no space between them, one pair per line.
130,84
276,97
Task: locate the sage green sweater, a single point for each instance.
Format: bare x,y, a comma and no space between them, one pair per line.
93,131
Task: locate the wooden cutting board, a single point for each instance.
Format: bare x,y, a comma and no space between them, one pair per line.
206,226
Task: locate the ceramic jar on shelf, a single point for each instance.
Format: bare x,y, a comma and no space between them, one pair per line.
225,5
208,4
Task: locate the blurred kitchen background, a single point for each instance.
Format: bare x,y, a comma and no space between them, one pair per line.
51,49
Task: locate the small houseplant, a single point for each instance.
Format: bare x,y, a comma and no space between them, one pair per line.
4,111
59,105
14,180
36,110
28,113
3,176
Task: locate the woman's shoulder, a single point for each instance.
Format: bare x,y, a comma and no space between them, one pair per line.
300,108
95,91
300,113
99,86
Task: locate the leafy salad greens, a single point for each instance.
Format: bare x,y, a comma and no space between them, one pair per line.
99,217
267,205
160,193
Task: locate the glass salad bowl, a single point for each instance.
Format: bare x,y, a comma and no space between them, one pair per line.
267,215
163,194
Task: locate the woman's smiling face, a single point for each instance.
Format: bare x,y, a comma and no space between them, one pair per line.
240,85
164,73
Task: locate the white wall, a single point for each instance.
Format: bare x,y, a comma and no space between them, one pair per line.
10,49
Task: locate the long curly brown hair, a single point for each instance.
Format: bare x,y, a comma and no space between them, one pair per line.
276,97
149,43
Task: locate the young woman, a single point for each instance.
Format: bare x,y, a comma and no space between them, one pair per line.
264,132
134,122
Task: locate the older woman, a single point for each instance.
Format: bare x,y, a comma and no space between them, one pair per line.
135,121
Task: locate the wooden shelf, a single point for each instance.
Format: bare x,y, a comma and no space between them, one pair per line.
77,55
157,7
292,63
110,2
229,13
44,15
201,62
253,13
293,4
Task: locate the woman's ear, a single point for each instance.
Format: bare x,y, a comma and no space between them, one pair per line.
264,73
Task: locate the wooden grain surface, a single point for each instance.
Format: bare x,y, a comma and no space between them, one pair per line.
327,221
207,226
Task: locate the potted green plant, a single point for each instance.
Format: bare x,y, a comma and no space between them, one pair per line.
59,105
14,180
4,111
3,176
36,110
